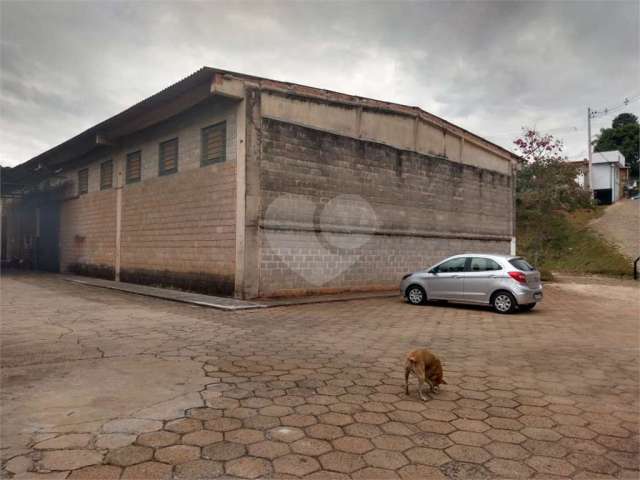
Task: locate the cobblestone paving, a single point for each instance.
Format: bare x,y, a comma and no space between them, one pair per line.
315,391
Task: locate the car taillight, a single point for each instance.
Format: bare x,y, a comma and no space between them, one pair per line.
518,277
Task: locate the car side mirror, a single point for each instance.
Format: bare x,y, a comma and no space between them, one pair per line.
434,271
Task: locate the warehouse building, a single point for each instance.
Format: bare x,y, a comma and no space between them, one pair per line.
232,184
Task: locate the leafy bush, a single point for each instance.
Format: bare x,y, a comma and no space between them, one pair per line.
546,186
547,181
570,246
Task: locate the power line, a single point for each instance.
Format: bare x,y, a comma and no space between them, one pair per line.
595,114
550,130
608,110
591,114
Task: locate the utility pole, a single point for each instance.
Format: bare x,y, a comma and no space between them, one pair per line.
589,150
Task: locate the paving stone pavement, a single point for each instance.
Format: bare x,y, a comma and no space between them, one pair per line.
101,384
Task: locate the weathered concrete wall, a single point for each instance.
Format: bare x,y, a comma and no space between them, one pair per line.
310,267
400,130
176,229
88,234
415,210
427,188
250,228
87,225
180,230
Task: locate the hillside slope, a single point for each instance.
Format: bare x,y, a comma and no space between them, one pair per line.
571,245
620,223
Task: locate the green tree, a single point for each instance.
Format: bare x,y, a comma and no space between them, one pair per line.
545,188
624,119
624,136
547,182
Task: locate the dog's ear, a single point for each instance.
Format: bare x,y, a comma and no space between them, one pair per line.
412,357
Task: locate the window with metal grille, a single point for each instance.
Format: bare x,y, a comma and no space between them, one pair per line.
134,167
106,175
214,142
168,157
83,181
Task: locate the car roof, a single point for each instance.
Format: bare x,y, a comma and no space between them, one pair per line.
488,255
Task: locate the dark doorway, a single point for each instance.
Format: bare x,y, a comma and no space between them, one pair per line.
4,239
603,196
47,238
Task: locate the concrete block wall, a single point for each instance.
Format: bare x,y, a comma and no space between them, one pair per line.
187,128
425,208
180,230
406,129
88,233
177,229
298,263
428,187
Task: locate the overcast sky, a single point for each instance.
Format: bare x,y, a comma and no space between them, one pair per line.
490,67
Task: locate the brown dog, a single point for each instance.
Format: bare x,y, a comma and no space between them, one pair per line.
427,368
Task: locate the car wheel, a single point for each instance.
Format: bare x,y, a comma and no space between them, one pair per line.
503,302
416,295
526,307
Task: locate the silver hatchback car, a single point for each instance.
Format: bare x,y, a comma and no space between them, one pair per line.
505,282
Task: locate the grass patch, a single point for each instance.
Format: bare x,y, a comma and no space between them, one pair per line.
563,242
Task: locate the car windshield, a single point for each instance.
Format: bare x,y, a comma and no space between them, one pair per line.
521,264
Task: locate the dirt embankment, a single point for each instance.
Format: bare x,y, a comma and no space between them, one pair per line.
620,224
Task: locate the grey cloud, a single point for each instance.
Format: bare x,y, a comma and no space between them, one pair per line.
489,66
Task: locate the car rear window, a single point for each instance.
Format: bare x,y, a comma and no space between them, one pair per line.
521,264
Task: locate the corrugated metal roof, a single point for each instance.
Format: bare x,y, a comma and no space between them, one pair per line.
87,139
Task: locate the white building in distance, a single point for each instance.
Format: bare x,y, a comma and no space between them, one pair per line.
610,174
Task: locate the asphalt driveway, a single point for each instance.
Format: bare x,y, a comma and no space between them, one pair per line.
102,384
